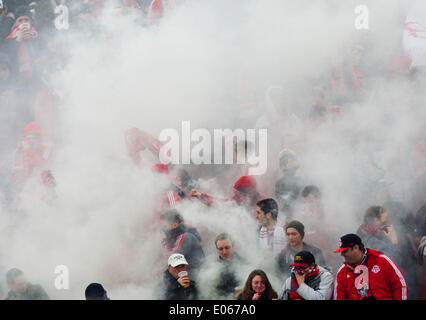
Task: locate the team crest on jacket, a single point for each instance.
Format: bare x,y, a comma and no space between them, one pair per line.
375,269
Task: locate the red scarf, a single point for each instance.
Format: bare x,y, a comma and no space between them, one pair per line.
293,295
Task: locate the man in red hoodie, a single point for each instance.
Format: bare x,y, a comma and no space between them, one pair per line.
367,274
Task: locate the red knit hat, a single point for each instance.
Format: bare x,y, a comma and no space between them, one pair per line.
245,184
31,128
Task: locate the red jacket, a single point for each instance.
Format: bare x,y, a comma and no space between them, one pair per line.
385,279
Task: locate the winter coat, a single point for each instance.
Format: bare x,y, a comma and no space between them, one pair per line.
170,289
373,237
25,55
274,240
34,292
286,257
320,287
186,241
422,251
228,276
5,28
385,279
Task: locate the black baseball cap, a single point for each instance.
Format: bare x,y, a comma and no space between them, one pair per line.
303,259
348,241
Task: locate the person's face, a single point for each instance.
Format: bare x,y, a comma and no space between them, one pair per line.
19,285
257,284
225,249
309,204
261,217
384,218
174,271
23,19
293,237
32,141
352,255
241,197
302,270
168,226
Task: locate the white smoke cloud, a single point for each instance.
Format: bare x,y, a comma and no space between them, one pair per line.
188,68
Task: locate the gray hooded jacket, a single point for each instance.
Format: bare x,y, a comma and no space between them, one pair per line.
322,287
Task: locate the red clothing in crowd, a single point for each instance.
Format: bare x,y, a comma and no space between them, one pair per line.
31,155
384,278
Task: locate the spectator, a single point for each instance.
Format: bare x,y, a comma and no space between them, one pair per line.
22,44
176,284
229,260
295,231
257,287
287,187
95,291
308,281
377,233
32,155
318,229
422,248
180,239
7,20
367,274
271,232
245,192
421,251
21,289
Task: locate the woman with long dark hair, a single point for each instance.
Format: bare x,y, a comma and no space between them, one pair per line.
257,287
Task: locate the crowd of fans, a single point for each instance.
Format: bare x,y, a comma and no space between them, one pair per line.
383,259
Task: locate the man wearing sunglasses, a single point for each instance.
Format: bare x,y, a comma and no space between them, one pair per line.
308,281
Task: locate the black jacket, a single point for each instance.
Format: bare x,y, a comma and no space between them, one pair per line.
190,247
228,276
170,289
34,292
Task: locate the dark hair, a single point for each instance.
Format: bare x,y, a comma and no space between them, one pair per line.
12,274
95,291
311,189
285,156
269,205
372,213
172,216
222,236
248,292
361,246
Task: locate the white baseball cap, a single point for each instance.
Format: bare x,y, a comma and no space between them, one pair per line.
177,259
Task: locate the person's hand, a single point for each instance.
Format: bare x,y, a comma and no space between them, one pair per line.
195,193
184,281
390,233
19,35
256,296
27,34
300,278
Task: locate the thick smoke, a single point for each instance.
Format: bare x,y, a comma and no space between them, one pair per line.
190,66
